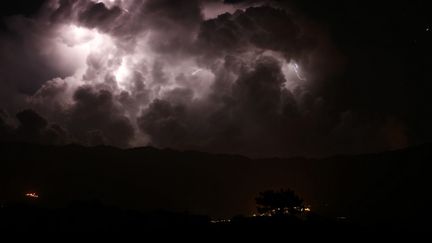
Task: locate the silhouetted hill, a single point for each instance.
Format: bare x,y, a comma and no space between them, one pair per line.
386,188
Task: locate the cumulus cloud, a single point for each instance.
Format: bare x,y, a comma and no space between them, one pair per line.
31,128
233,76
95,112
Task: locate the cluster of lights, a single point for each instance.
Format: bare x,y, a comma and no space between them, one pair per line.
284,211
220,221
33,195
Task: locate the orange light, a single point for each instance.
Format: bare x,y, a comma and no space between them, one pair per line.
32,195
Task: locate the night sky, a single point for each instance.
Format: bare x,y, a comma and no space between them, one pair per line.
256,78
200,105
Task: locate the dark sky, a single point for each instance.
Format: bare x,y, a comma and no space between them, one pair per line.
268,78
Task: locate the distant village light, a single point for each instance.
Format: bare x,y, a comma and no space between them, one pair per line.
33,195
219,221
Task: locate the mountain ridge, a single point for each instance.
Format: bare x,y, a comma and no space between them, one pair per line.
145,178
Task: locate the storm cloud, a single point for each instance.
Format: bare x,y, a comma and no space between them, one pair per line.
252,77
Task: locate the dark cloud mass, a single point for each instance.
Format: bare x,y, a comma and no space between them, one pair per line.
31,128
95,112
260,78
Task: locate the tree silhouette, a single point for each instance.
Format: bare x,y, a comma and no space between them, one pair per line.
281,202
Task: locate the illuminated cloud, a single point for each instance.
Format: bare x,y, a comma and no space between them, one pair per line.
208,75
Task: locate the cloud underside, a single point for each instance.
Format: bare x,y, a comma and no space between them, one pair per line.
130,73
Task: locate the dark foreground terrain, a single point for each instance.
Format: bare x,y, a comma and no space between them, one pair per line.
95,217
146,189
